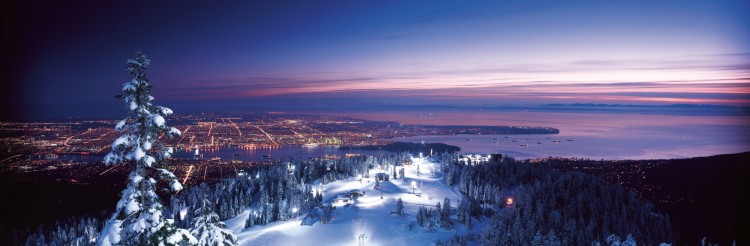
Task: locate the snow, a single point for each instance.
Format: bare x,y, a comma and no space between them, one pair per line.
138,153
134,62
177,237
111,158
175,131
121,125
167,173
121,140
132,207
176,186
139,225
166,111
157,120
130,86
148,160
155,216
167,152
111,233
137,179
368,215
133,105
210,234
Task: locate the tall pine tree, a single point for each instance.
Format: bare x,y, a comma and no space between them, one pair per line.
138,218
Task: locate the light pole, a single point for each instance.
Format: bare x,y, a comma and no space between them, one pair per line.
413,187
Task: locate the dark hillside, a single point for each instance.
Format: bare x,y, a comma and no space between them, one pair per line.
703,196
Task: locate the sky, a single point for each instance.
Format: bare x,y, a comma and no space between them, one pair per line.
331,55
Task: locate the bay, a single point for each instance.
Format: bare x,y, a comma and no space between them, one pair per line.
594,135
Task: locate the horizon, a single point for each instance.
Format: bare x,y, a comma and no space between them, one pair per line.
50,112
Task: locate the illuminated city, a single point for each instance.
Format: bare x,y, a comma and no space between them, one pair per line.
56,149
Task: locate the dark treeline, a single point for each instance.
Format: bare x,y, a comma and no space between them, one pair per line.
271,193
548,207
563,208
703,195
74,231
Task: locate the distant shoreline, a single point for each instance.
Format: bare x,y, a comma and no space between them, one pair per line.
414,148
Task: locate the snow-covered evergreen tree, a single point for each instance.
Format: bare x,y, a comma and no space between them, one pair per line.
400,207
552,239
437,215
614,240
325,217
445,214
421,216
394,172
250,222
539,240
463,211
209,230
138,218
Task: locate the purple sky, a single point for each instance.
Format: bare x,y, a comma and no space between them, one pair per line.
367,53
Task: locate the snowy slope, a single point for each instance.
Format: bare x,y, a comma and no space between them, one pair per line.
369,215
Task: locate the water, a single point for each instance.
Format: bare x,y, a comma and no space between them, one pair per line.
283,152
596,136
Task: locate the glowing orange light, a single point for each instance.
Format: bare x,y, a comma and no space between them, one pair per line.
509,201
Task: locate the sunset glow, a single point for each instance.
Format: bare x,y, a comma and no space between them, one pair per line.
528,52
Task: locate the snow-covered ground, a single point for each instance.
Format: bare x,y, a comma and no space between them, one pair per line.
369,214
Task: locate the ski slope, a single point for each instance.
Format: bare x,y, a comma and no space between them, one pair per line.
369,214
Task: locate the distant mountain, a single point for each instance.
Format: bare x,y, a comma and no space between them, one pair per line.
645,105
671,109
